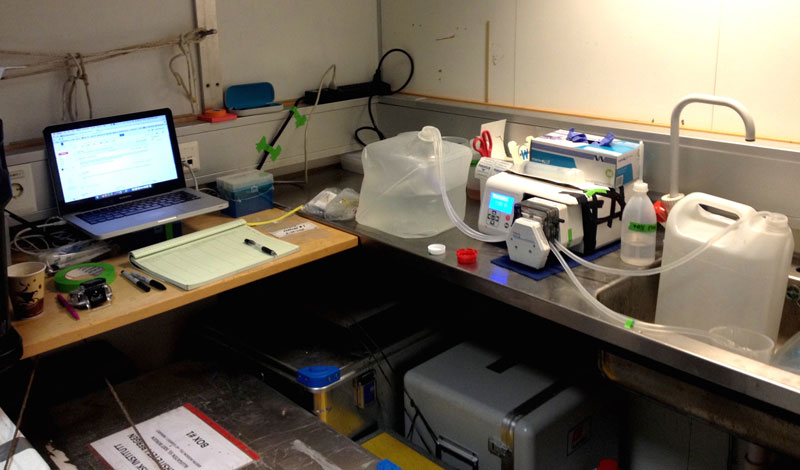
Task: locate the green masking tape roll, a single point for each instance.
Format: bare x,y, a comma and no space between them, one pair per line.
68,279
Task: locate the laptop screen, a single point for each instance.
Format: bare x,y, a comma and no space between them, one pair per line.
107,160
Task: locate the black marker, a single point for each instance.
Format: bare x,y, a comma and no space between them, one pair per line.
263,248
136,282
149,280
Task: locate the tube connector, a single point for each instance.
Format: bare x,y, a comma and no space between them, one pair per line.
669,200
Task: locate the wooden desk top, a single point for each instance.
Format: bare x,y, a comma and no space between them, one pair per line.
55,327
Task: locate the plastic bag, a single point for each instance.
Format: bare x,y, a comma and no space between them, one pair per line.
343,206
317,205
334,204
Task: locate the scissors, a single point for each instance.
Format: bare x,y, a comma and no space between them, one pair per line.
483,144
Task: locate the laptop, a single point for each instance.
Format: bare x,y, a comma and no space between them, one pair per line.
120,174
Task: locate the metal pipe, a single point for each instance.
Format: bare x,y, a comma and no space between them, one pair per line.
674,131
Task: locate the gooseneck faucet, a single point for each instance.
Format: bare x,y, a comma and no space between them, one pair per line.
674,137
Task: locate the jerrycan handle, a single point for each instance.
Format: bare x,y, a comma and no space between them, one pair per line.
715,210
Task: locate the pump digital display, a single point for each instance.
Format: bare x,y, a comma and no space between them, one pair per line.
501,202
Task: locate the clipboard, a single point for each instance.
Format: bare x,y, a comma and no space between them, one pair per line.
202,257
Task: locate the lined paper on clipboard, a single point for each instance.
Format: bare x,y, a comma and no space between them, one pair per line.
209,255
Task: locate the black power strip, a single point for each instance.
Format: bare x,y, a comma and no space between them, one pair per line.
347,92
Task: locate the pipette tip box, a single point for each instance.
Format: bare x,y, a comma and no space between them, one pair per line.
247,192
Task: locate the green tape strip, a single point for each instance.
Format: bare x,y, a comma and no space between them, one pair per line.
629,323
299,118
263,146
68,279
569,237
642,228
592,192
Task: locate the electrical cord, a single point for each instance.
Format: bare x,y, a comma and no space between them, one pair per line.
308,120
194,177
276,220
33,227
305,131
376,78
33,244
40,241
277,135
412,403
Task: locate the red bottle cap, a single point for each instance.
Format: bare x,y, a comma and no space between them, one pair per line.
608,464
467,255
661,212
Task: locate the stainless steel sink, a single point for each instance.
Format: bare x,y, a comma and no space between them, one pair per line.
636,297
633,296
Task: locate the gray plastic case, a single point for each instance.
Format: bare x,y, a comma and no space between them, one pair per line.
489,413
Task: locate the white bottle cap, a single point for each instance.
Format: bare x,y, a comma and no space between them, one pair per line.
436,249
777,221
640,187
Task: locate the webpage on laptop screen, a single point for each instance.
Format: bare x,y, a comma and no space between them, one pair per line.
116,158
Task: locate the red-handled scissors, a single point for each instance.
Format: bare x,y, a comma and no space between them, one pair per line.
483,144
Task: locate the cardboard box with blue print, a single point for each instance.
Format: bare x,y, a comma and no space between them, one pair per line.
609,163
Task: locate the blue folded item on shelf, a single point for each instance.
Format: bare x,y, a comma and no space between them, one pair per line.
249,96
552,266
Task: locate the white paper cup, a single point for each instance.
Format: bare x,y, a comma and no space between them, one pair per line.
26,289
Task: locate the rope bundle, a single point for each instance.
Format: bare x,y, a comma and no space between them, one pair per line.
75,64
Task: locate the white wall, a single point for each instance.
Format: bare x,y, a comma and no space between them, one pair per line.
125,84
287,43
291,43
620,59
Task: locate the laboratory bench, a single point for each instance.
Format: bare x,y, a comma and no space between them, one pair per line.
55,328
758,402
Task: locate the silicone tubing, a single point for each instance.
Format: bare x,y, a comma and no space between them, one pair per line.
432,134
616,318
663,268
623,320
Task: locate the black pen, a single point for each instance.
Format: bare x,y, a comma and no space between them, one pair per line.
136,282
148,280
263,248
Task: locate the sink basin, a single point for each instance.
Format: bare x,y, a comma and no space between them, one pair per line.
633,296
636,298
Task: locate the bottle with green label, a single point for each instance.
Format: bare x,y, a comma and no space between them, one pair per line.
639,228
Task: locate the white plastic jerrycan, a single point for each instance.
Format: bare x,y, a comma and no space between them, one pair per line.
739,281
400,193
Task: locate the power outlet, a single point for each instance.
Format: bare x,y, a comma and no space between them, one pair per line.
23,191
190,154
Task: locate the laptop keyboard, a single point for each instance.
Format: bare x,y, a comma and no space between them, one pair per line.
136,207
